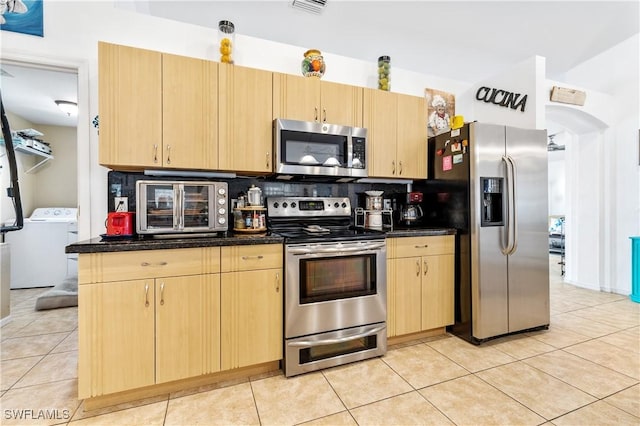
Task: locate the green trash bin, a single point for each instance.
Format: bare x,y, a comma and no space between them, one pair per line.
635,269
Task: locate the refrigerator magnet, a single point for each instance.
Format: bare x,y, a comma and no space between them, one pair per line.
447,163
457,159
456,146
455,132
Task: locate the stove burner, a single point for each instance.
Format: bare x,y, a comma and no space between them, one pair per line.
315,219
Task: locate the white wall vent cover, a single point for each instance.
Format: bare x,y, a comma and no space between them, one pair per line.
313,6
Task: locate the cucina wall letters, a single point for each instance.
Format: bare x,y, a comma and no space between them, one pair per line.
501,97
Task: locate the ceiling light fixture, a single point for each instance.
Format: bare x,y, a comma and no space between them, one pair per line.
68,107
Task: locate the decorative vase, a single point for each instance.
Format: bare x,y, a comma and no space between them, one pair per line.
226,36
384,73
313,64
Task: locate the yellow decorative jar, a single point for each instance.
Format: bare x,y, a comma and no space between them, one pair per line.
313,64
226,35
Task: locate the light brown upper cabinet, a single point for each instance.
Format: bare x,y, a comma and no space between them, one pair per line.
310,99
156,110
397,134
130,106
246,117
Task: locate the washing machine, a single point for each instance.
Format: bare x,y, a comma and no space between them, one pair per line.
37,250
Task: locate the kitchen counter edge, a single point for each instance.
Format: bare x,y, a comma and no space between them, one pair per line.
100,245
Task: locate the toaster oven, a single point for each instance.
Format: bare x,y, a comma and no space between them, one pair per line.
166,207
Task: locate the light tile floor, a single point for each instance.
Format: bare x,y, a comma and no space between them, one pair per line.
585,370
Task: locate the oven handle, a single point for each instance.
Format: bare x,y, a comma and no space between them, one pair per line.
314,250
310,344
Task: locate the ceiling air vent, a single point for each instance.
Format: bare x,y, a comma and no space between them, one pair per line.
313,6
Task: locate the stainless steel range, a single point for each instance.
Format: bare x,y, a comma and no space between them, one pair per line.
335,299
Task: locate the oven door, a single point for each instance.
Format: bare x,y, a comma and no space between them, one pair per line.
336,285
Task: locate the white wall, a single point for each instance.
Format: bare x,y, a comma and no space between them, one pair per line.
526,78
57,182
557,180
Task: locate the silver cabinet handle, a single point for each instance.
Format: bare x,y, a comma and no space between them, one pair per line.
422,246
155,153
268,158
400,168
146,295
417,268
307,343
162,293
152,264
277,282
316,114
426,267
393,167
324,115
252,257
168,154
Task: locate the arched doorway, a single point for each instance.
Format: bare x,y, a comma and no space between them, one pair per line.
585,196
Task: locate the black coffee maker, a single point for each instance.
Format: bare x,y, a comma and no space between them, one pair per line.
410,212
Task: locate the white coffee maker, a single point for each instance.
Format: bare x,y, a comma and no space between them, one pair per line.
374,216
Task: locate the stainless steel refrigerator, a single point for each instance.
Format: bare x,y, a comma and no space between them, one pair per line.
490,183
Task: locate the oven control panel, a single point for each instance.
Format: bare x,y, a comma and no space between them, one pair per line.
308,206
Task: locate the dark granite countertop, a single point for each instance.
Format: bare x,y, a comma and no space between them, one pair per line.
102,245
106,245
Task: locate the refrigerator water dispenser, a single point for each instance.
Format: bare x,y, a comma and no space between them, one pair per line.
491,208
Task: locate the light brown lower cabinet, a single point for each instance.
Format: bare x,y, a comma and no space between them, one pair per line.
420,284
251,304
156,316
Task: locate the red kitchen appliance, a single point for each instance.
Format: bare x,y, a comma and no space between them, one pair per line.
120,223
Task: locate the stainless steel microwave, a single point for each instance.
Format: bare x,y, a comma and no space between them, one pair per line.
167,207
311,148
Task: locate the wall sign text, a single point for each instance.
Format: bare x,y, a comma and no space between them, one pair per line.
501,97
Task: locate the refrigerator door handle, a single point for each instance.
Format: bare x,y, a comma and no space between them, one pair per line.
514,210
507,247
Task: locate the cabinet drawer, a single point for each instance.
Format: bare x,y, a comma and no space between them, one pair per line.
132,265
247,258
420,246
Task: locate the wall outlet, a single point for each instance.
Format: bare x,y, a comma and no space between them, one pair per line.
122,204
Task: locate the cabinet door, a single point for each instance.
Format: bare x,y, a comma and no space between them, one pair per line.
189,113
246,102
115,337
296,98
187,326
412,137
251,325
130,105
407,280
379,117
341,104
437,291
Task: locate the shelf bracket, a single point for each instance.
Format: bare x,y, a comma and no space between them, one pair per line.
38,165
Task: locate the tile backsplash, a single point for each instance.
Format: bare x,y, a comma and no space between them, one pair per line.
123,184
